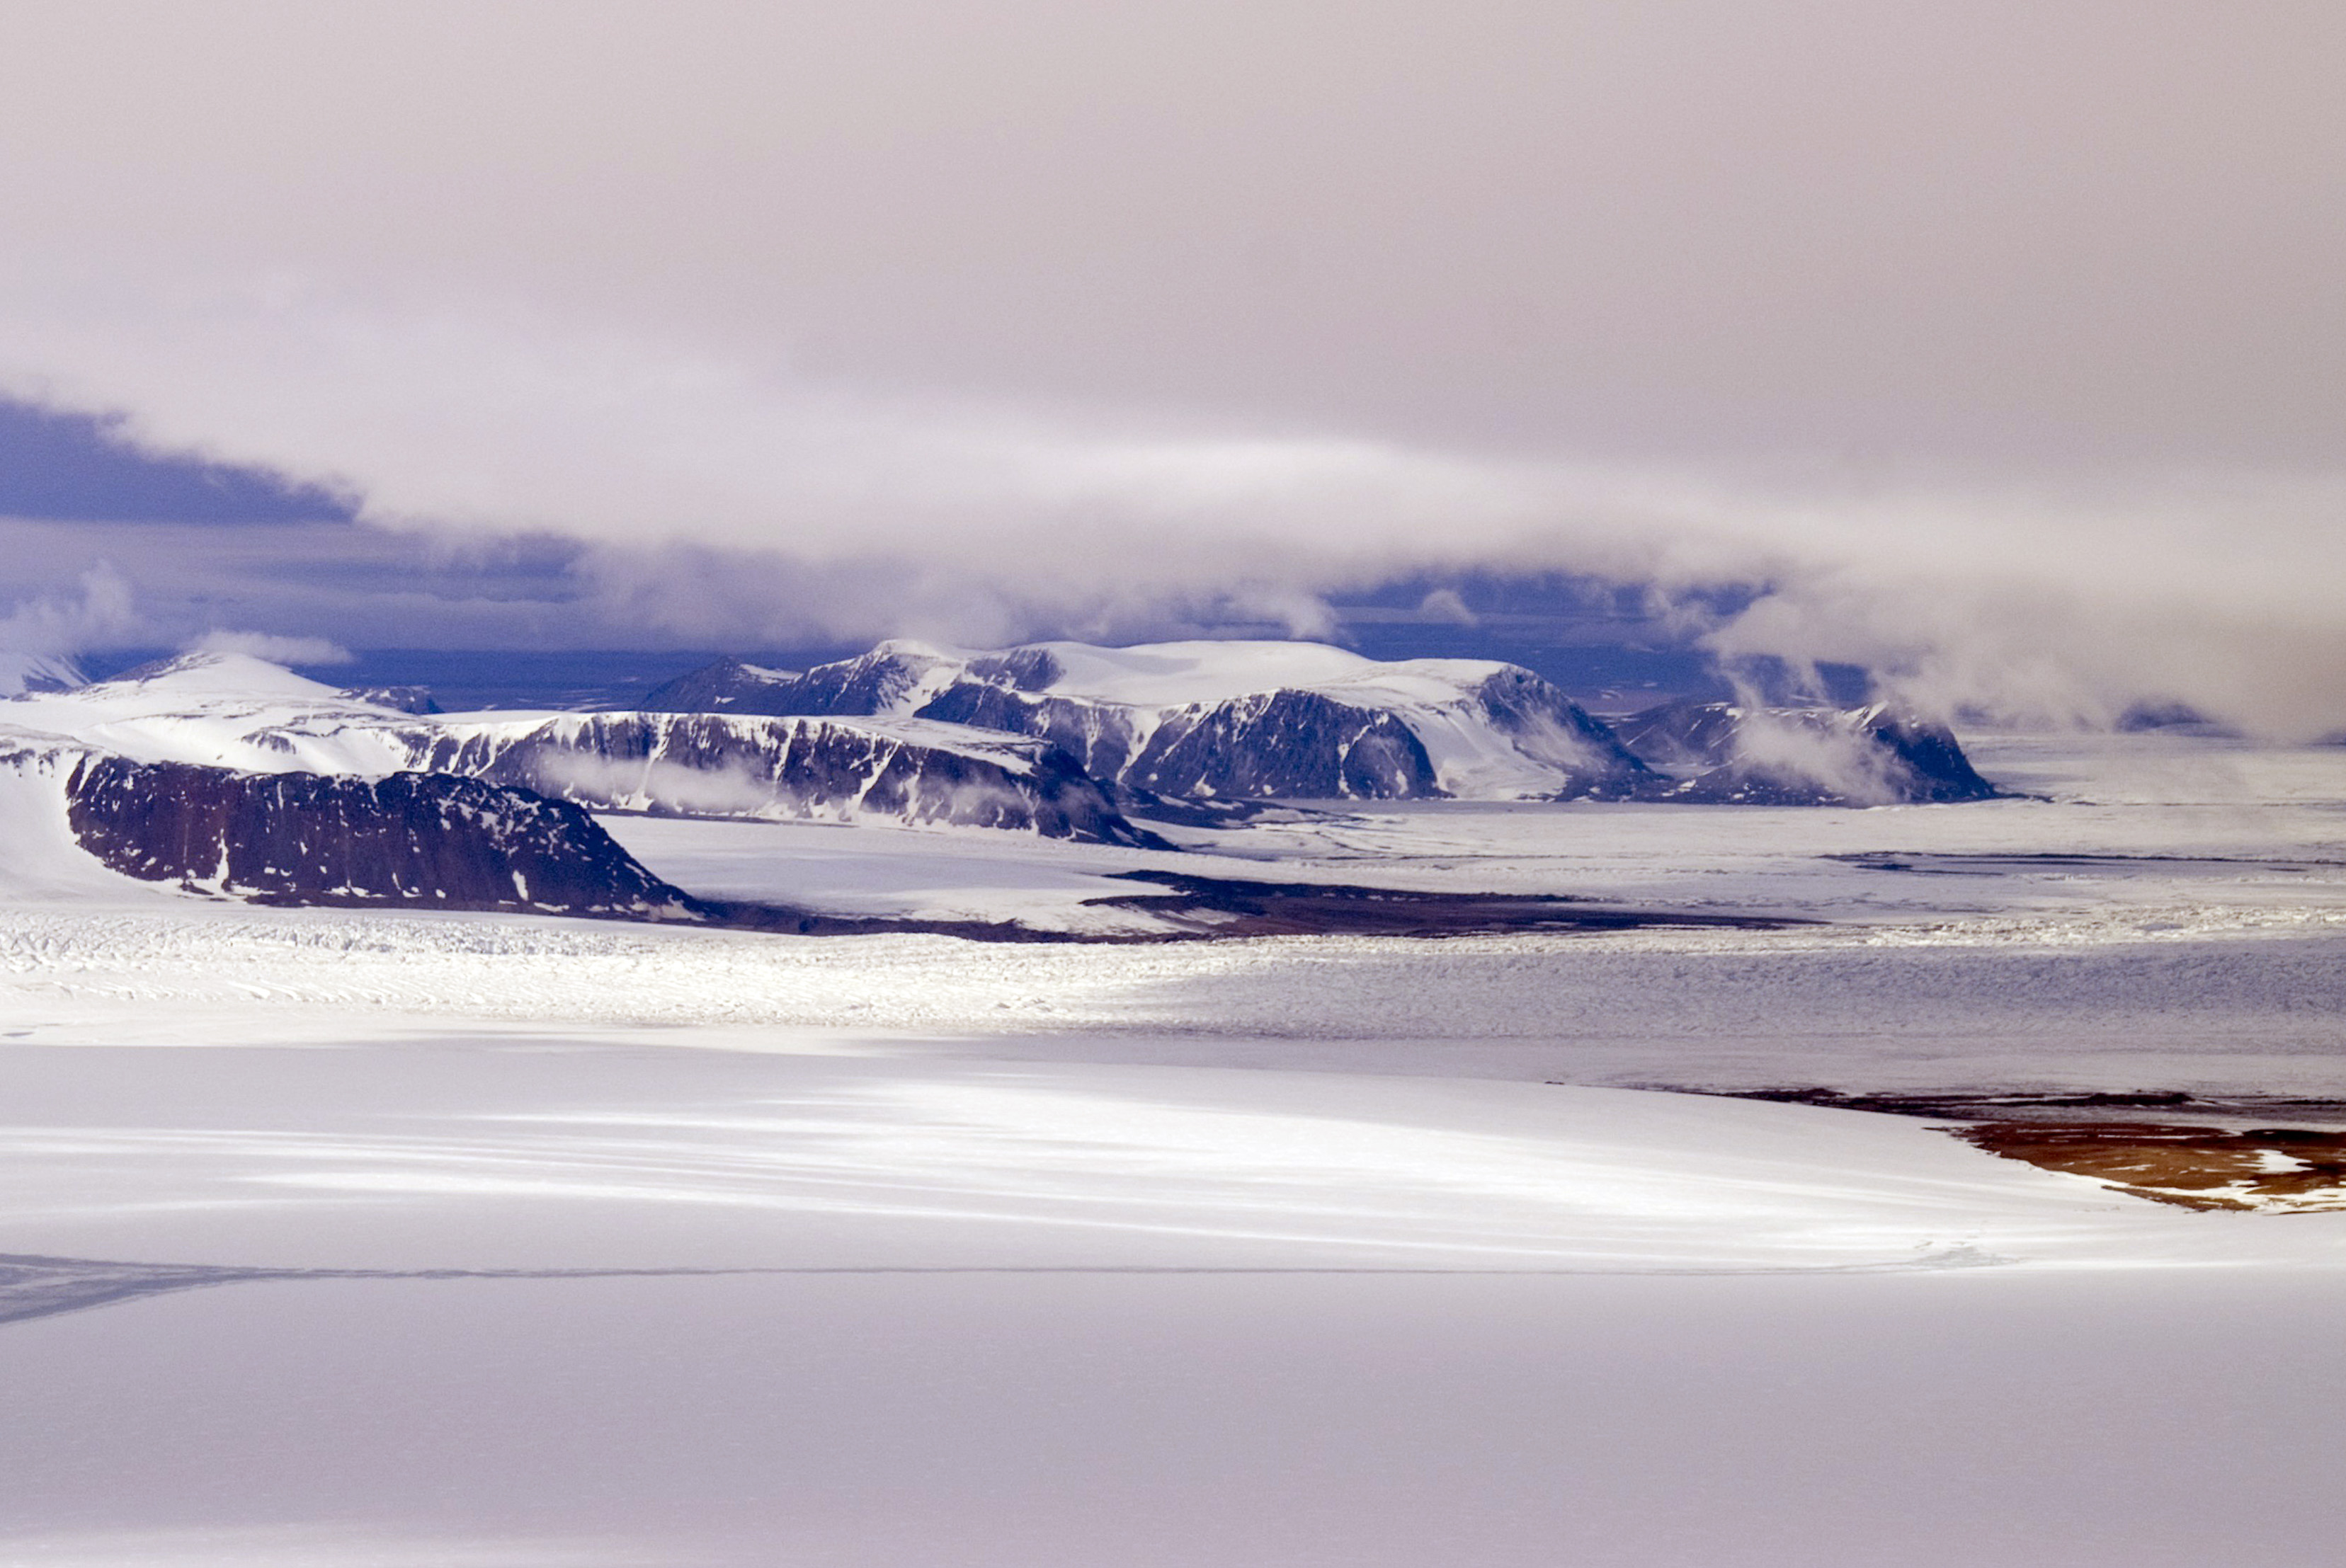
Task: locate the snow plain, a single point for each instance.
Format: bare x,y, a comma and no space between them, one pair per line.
473,1240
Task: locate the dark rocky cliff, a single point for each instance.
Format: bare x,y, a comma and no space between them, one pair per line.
1297,744
412,839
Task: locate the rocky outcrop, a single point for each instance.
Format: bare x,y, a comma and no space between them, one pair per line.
412,840
1727,754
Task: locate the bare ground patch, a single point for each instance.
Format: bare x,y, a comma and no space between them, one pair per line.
2103,1135
2289,1169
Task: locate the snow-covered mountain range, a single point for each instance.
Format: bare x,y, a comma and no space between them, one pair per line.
1243,720
1267,720
223,773
232,711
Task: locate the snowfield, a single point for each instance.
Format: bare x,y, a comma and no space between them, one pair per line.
331,1238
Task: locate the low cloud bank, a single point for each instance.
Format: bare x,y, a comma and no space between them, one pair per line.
719,501
1992,345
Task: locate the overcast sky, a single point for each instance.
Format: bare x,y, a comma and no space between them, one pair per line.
2005,343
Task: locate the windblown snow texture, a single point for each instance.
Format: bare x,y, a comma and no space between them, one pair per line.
428,841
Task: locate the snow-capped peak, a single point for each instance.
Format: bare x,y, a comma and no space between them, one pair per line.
217,673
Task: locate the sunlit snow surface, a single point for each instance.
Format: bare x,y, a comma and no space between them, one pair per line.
341,1239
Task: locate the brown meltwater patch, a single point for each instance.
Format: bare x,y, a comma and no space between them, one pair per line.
2288,1170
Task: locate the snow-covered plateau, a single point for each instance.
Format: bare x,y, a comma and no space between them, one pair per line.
374,1236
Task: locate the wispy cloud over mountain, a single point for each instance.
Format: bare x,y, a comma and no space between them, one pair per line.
1996,348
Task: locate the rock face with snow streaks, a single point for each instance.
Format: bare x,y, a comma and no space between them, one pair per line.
233,711
744,766
1225,720
412,839
1283,743
1722,753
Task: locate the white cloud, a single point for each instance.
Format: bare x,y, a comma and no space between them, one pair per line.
1445,605
275,649
1046,317
721,504
100,614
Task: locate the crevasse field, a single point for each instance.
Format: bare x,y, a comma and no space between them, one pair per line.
344,1238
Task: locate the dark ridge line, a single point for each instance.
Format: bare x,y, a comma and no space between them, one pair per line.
1230,909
